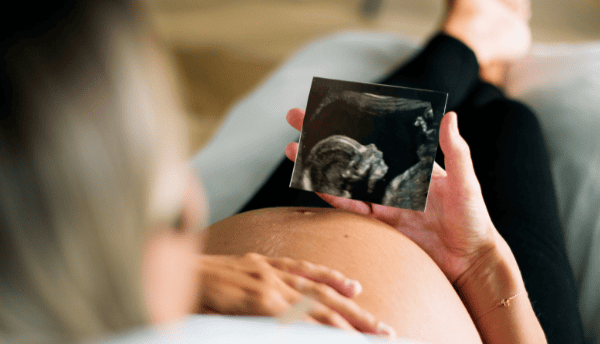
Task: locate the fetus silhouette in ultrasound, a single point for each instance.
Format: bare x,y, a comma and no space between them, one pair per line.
339,165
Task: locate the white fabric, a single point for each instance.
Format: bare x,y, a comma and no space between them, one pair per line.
560,82
215,329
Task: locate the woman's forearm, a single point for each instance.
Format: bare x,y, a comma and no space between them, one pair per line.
495,295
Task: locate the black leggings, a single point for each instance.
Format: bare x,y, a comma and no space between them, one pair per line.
511,164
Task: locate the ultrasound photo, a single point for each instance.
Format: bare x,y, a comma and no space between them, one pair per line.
369,142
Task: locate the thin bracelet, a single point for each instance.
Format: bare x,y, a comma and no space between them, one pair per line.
502,303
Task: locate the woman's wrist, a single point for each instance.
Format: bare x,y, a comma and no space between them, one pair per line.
493,278
495,296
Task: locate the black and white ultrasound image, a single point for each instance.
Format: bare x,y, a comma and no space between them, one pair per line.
369,142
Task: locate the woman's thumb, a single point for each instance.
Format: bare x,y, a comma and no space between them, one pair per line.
457,158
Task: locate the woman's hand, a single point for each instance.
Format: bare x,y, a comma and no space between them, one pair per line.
257,285
455,230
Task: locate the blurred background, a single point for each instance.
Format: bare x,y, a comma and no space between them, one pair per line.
225,48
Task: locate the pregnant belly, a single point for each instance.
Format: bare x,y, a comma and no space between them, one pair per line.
402,286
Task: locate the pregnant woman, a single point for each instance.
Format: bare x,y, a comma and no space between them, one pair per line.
93,175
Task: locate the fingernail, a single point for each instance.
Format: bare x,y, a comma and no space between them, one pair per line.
386,329
356,287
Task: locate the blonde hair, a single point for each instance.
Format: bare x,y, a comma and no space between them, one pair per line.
91,126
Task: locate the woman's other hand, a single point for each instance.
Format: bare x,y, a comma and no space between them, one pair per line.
254,284
455,230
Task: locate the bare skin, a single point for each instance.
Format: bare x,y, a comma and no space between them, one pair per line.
402,285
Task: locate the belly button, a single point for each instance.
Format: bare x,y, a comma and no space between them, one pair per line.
305,212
